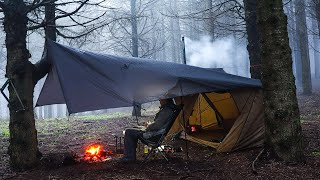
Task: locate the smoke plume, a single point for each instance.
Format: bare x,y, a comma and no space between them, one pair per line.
224,53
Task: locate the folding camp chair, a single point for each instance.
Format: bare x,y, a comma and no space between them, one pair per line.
156,140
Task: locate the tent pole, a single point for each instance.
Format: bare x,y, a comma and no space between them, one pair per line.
185,133
220,118
184,51
185,124
184,121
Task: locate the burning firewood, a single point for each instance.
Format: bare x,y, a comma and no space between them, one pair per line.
96,153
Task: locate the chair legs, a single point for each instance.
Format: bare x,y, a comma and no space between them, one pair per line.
161,152
148,154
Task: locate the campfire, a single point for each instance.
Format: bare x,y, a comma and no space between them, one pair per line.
96,153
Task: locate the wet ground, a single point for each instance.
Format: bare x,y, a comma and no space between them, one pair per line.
60,138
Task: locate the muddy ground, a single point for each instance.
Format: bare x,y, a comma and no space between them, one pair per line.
60,138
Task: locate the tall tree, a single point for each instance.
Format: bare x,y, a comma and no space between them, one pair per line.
192,23
293,42
50,33
175,33
301,28
23,75
135,46
282,119
23,148
297,51
134,29
316,53
209,19
253,38
162,32
316,39
317,12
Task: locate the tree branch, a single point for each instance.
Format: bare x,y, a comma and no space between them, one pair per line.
87,22
39,25
83,24
36,4
42,67
68,3
88,31
73,12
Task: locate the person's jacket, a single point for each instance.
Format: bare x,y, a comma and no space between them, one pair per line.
161,120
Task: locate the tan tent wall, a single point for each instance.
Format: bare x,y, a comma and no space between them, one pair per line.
248,129
247,113
252,134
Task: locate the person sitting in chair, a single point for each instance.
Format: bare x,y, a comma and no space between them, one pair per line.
132,135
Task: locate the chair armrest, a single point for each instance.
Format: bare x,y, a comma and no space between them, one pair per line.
147,135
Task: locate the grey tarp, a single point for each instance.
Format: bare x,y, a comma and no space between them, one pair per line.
87,81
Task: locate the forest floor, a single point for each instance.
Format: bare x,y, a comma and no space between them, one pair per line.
60,137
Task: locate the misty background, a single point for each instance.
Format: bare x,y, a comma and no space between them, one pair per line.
214,31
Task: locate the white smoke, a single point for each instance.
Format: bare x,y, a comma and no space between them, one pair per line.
224,53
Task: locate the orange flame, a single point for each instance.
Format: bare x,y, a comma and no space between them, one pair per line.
94,152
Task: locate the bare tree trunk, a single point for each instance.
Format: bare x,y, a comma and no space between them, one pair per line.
282,119
317,40
235,55
177,31
253,38
301,28
23,148
135,44
291,33
163,37
192,34
154,17
209,23
134,27
50,32
175,35
50,111
59,110
45,112
315,46
173,47
317,12
162,31
40,116
316,57
297,56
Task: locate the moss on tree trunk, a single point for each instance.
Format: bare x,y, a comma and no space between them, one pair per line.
283,129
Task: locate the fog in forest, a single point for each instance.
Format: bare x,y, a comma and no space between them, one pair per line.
215,37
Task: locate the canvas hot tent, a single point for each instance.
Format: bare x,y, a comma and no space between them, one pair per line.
227,121
227,108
